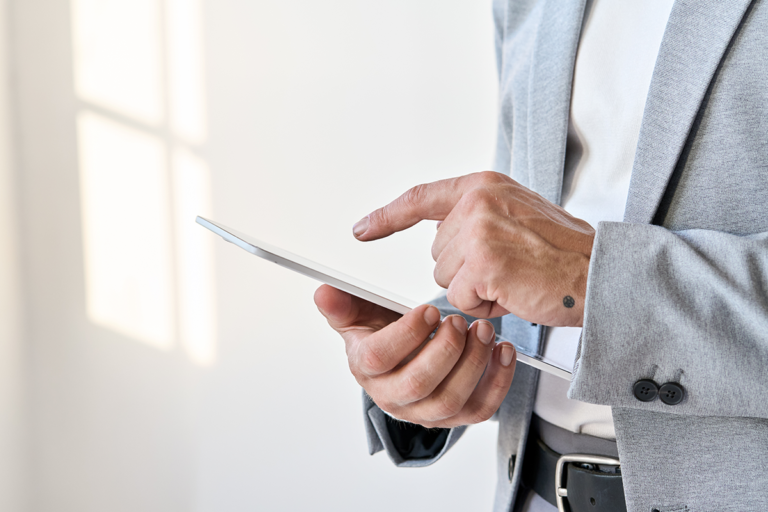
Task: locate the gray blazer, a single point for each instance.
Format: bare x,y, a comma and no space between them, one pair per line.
678,292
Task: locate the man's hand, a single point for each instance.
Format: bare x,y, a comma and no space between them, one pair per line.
500,247
459,377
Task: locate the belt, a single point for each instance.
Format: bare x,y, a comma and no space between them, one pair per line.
575,482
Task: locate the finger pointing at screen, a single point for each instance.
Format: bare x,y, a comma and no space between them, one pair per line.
500,248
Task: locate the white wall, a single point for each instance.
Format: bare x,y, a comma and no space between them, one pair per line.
13,469
314,114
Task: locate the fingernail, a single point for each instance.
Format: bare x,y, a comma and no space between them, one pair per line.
459,323
431,315
485,332
507,352
361,226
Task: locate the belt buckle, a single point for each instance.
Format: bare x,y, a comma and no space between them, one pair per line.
562,492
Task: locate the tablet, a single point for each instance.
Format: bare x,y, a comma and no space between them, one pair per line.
346,283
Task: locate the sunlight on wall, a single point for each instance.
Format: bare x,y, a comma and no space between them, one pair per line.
139,236
185,69
118,56
191,183
126,230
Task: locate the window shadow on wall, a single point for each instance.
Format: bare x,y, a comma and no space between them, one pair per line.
141,128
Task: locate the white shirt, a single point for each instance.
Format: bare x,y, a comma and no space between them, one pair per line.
614,64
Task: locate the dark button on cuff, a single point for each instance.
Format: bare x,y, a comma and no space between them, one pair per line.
646,390
671,393
511,467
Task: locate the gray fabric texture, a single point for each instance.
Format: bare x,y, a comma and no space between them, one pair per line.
678,292
702,464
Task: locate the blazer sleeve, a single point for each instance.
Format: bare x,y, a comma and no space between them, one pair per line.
687,307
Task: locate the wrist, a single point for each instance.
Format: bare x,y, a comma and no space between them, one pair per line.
571,295
579,277
561,296
580,289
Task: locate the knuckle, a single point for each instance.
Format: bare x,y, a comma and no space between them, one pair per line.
453,346
379,217
484,413
436,250
478,243
397,413
354,369
477,359
414,387
440,277
479,198
388,407
455,298
412,335
414,196
498,388
353,361
370,362
448,405
489,177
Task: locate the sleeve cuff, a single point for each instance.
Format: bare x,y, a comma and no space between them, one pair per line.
421,444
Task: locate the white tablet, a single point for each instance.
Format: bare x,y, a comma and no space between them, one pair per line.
345,283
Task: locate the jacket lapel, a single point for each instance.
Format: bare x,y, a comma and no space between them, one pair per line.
550,94
696,38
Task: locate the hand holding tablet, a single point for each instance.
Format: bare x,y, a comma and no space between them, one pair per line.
414,366
340,281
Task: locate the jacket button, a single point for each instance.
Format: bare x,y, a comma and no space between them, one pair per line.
671,393
511,467
646,390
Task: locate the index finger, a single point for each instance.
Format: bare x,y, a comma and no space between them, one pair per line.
429,201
